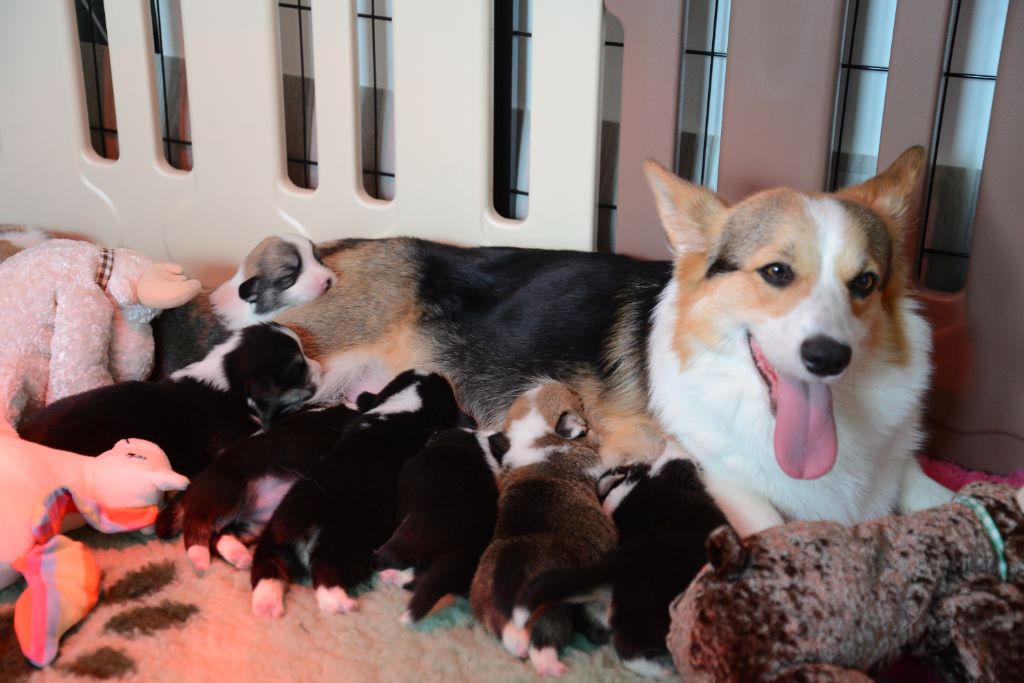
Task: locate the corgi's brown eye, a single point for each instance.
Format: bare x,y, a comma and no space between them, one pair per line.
862,285
777,274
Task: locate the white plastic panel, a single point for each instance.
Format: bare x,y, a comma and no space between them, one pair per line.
238,191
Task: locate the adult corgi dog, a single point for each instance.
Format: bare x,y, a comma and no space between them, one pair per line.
779,348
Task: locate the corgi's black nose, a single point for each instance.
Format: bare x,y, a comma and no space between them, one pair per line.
824,356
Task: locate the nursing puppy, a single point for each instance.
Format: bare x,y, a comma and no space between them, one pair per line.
330,522
230,502
780,347
549,517
258,375
664,517
280,272
447,506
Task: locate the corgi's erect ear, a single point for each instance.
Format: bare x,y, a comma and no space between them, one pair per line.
892,192
685,209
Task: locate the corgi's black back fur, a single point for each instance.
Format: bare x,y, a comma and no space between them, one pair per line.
664,520
447,507
347,506
233,491
256,376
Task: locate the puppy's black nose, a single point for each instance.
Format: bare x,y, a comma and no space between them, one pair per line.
824,356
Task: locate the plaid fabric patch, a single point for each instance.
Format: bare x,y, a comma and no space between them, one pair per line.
105,267
990,527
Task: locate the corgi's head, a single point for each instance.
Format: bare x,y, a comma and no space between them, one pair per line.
282,271
811,283
547,416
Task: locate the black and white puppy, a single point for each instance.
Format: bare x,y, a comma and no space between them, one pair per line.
664,516
231,501
255,377
281,271
447,506
330,522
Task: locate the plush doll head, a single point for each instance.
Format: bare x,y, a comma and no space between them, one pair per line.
132,474
819,601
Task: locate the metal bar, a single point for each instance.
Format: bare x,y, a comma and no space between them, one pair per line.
504,18
373,61
302,85
707,110
96,77
940,114
163,75
846,96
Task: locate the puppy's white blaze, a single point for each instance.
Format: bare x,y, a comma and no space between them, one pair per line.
617,495
405,401
515,639
268,598
520,615
235,312
545,661
488,457
335,600
522,434
396,577
647,668
232,550
304,547
210,369
199,556
313,279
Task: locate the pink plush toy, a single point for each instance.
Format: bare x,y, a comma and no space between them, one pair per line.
76,317
116,491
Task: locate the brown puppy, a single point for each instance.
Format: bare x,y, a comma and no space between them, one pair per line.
549,517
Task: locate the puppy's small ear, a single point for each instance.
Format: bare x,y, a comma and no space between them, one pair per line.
571,426
247,291
465,420
726,552
685,209
365,401
499,444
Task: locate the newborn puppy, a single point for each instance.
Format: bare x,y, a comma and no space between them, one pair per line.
549,517
664,516
232,499
258,375
447,506
281,271
331,521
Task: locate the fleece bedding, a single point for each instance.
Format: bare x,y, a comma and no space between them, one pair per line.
158,620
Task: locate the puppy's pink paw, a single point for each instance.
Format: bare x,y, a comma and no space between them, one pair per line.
515,639
199,556
335,600
545,662
232,550
268,598
396,577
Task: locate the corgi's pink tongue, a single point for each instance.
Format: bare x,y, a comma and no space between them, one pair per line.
805,429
